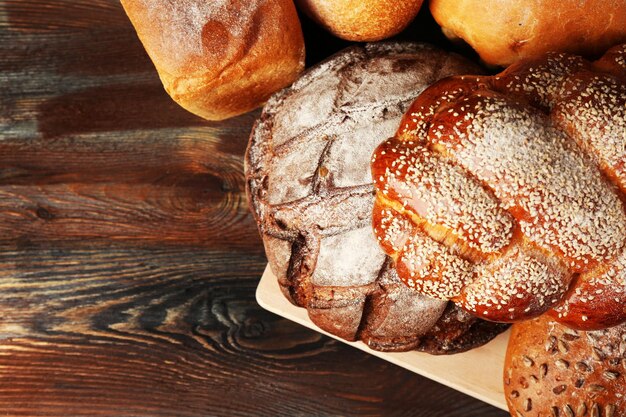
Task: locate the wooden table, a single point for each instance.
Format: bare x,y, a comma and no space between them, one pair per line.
128,258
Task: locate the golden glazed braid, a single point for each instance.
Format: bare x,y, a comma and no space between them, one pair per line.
506,193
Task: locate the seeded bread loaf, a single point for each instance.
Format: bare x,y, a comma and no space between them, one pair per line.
506,193
551,370
309,188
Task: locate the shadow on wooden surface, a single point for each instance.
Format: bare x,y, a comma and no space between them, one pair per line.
128,258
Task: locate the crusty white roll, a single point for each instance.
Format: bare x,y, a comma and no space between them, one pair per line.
220,58
505,31
357,20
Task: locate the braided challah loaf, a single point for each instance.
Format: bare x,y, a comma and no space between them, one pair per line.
506,194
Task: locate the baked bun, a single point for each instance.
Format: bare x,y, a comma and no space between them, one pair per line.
220,58
357,20
311,194
551,370
506,31
505,193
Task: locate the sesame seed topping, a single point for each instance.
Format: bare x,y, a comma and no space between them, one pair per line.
510,183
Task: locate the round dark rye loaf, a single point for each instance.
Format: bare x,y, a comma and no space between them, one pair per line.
307,172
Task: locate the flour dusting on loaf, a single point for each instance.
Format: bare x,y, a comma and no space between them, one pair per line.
183,24
220,58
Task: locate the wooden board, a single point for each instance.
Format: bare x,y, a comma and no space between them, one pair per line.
477,373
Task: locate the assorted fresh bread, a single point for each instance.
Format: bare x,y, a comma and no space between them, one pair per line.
505,193
312,195
220,58
498,198
506,31
553,371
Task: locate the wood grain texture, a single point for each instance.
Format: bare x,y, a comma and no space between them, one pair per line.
128,258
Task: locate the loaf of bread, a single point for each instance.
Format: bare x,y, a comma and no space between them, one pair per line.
506,193
551,370
310,191
506,31
358,20
220,58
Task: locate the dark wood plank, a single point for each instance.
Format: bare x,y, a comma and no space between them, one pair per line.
128,258
172,186
145,332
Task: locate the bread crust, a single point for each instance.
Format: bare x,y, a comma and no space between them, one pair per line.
311,194
358,20
505,193
219,59
551,370
506,31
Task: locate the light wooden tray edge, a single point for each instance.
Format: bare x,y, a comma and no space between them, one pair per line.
477,373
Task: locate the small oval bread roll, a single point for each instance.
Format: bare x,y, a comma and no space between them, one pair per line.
357,20
505,31
220,58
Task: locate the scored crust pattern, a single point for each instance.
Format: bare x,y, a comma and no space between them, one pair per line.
308,182
506,193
